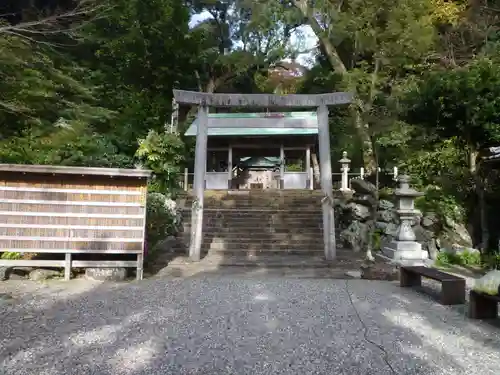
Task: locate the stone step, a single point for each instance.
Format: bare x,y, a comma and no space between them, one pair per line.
270,206
257,224
252,253
257,240
243,215
252,236
264,208
256,235
242,234
259,227
345,260
259,198
264,247
259,193
269,199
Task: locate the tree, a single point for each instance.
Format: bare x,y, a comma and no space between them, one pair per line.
464,105
238,40
138,54
371,43
42,90
32,70
164,155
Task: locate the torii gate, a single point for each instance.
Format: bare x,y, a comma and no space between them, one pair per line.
205,100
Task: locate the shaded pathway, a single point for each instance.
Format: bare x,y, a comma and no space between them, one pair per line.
229,325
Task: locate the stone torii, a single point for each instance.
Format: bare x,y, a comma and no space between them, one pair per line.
319,101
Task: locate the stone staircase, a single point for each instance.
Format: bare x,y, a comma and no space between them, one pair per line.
264,225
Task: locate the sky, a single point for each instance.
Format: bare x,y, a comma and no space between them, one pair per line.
310,40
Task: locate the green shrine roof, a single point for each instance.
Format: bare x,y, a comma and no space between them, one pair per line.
248,124
262,161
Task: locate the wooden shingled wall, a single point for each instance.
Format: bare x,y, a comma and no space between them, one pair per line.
71,213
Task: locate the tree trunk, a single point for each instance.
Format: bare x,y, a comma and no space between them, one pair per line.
479,192
335,61
316,170
483,218
369,159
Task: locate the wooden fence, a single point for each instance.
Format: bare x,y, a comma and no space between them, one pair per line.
72,210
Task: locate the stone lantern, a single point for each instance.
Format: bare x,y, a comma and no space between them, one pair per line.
404,249
344,168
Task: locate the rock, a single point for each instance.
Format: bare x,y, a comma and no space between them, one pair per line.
426,238
386,216
432,249
429,221
381,225
170,244
5,298
385,205
416,219
422,234
164,252
339,204
106,274
40,274
21,272
454,233
358,211
363,187
355,236
391,229
365,200
385,241
5,273
379,271
353,274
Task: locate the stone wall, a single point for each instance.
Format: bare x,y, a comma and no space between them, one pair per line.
362,217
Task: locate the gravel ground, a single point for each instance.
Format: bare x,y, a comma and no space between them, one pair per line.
230,325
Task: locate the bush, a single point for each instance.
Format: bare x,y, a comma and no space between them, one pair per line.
464,258
162,153
386,194
442,204
162,219
377,239
11,255
492,261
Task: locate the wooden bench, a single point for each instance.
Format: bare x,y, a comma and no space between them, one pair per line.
452,287
483,306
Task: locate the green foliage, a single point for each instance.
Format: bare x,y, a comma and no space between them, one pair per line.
295,167
162,220
462,103
441,162
164,155
377,236
10,255
386,194
443,205
139,53
464,258
63,147
491,260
